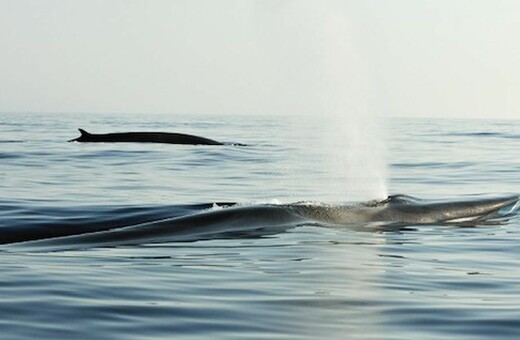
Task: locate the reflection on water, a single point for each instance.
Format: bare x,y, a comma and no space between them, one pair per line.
302,283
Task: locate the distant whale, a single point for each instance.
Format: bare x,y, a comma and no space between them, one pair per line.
233,220
144,137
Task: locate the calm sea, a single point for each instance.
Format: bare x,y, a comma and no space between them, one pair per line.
302,281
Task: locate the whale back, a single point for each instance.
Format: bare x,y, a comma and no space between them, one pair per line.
408,209
143,137
403,209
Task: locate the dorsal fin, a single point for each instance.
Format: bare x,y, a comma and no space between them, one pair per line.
80,138
83,132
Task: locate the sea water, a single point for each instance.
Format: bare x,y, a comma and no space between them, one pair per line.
307,281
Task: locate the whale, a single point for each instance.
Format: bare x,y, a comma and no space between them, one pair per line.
406,210
232,220
144,137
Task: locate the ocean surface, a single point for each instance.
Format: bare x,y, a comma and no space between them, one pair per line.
246,277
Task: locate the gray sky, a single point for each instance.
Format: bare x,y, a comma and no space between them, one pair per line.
403,57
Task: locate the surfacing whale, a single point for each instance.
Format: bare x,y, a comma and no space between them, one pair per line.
242,221
403,209
143,137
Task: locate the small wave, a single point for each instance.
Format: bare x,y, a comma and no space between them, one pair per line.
11,141
433,165
4,155
483,134
479,134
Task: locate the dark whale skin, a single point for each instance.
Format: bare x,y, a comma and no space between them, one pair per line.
144,137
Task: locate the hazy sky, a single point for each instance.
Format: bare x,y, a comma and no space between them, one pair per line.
400,57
